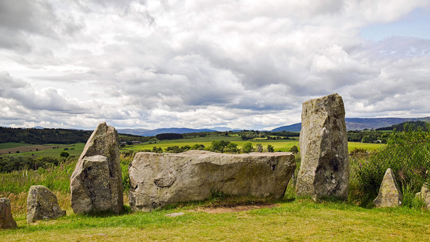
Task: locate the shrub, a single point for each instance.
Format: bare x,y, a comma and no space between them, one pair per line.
294,149
64,154
407,153
259,148
247,147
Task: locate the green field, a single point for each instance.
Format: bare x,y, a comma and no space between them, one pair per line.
366,146
44,150
280,145
12,145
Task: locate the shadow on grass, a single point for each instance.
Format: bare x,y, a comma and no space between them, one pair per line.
220,200
125,210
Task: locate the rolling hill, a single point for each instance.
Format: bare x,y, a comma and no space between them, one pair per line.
359,123
154,132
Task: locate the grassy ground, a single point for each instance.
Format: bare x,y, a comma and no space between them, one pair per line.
297,220
291,219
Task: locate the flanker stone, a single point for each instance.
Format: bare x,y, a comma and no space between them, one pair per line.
389,192
158,180
42,204
324,171
96,183
425,195
6,219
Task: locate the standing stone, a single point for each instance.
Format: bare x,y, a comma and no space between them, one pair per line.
42,204
158,180
389,192
324,171
96,183
425,195
6,219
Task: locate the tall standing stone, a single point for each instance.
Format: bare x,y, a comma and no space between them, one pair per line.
324,171
389,193
96,183
42,204
6,219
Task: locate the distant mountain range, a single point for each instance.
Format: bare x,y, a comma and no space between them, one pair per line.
351,124
359,123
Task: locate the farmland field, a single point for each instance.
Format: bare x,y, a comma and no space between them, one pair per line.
43,150
280,145
76,149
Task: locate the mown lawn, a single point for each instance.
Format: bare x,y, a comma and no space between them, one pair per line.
297,220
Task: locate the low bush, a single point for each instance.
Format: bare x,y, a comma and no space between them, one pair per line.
407,153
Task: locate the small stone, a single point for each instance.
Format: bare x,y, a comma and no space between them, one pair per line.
42,204
425,195
389,192
6,219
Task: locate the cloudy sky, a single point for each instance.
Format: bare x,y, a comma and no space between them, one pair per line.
204,63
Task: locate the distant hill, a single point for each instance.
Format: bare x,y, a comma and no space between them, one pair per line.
292,128
223,129
415,125
154,132
54,136
359,123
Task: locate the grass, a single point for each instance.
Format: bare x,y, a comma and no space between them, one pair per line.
44,150
12,145
293,219
366,146
280,145
297,220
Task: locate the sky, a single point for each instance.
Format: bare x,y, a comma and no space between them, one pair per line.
203,63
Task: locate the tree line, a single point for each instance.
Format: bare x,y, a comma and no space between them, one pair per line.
54,136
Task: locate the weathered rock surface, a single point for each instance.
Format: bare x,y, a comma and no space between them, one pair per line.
424,194
96,183
42,204
158,180
324,171
389,193
6,219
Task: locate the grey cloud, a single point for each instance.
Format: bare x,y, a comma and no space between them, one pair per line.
204,64
31,98
21,19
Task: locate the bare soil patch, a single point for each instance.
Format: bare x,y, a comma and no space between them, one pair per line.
233,209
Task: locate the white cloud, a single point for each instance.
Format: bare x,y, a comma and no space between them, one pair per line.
171,63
